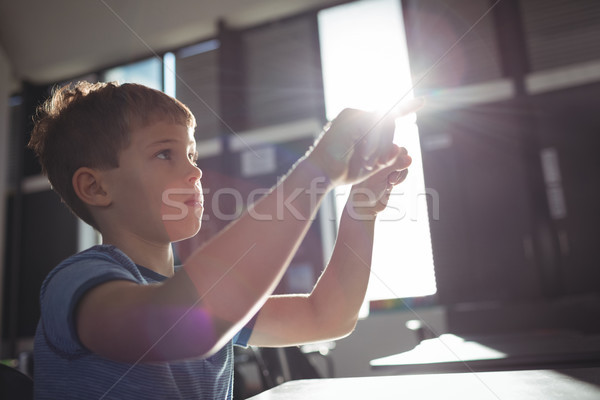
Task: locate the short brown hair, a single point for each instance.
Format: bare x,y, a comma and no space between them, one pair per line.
88,124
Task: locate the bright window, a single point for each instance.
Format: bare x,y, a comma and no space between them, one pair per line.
148,72
365,65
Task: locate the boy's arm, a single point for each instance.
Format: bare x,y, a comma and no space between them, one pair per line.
228,280
331,310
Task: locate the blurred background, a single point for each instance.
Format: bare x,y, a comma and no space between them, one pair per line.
496,229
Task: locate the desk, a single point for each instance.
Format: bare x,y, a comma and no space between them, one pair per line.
580,384
450,353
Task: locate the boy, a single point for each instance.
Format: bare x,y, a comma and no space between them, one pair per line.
118,320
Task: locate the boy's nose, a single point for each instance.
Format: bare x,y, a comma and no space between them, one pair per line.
195,174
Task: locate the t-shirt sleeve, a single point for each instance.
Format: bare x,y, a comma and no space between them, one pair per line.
62,292
242,337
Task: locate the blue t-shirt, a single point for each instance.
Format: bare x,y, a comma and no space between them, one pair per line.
65,369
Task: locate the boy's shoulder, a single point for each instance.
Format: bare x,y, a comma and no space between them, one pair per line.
66,285
98,252
96,260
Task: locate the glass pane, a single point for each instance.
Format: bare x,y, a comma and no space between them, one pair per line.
365,65
147,72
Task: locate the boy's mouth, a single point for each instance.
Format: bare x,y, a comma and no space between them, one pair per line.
196,200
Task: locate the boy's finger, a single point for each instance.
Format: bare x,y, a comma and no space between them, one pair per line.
408,107
378,142
397,177
370,139
385,133
356,168
398,159
401,159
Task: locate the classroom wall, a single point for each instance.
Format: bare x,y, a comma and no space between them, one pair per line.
4,93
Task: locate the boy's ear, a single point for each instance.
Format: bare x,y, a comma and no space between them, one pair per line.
88,186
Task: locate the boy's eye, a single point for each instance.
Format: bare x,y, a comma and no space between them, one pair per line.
193,158
164,155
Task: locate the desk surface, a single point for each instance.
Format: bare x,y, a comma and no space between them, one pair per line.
580,383
450,353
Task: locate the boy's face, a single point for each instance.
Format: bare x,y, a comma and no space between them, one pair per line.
156,192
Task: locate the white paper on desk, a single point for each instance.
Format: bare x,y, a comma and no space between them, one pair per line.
447,348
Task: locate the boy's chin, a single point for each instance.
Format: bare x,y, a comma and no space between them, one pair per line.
179,233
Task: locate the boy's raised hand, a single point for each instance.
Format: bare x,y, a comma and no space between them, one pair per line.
357,144
369,197
350,148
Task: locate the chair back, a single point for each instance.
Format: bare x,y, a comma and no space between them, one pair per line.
14,385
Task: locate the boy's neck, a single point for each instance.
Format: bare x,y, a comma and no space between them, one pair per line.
157,257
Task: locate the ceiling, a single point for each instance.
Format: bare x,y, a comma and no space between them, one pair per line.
48,41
